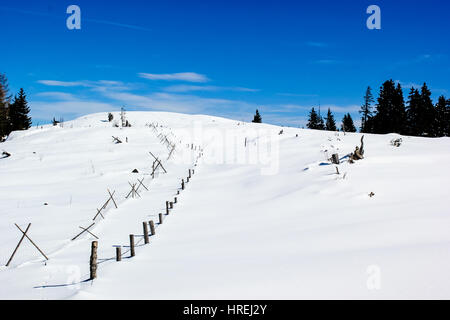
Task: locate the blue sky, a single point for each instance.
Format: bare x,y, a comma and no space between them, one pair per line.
223,58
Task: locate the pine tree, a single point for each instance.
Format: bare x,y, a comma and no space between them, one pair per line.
399,111
257,118
321,124
330,124
313,121
427,114
413,112
5,101
347,123
441,122
366,111
390,110
447,117
19,111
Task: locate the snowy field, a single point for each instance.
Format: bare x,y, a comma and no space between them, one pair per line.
265,216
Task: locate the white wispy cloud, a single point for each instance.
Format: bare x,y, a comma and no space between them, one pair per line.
55,83
287,94
327,61
410,85
118,24
181,76
188,88
163,101
290,108
57,95
75,108
316,44
105,22
95,85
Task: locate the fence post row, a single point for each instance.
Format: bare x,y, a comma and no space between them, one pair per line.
94,244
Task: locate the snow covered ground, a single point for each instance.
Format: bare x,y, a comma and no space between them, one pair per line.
265,216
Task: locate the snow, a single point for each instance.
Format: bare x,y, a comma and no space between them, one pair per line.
271,220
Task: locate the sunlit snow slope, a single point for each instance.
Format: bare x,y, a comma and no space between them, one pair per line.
265,216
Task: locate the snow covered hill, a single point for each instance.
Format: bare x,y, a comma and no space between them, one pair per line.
265,215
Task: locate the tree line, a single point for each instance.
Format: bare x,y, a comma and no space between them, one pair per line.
14,112
419,116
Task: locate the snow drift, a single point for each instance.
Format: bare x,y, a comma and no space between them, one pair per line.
265,216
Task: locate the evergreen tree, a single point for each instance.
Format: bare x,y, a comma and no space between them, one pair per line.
390,110
366,111
398,119
19,111
442,124
257,118
427,114
413,112
347,123
5,101
330,124
321,124
447,117
313,121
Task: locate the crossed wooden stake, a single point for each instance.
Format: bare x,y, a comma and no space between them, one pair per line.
24,235
133,191
116,140
141,183
99,212
111,197
170,154
158,165
85,230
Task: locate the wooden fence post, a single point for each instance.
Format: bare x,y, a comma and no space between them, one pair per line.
93,261
152,227
187,180
189,173
160,218
167,207
146,239
171,205
175,200
132,252
182,184
118,254
18,245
